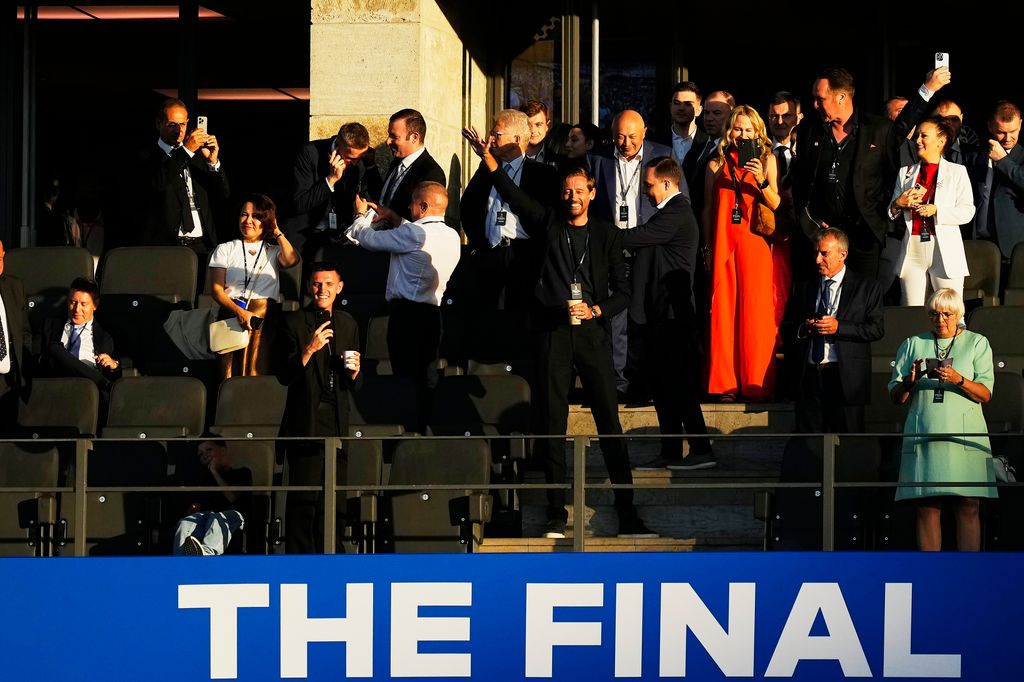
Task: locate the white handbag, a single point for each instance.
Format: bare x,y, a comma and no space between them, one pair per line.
227,336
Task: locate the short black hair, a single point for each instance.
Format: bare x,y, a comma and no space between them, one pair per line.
86,285
324,266
354,135
686,86
414,122
839,79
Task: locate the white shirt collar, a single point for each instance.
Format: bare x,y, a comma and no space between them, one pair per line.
639,155
688,136
408,160
838,277
667,199
516,163
168,148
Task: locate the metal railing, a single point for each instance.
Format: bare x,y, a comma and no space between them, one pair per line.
578,486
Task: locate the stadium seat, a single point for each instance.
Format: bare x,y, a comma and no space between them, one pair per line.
983,261
437,520
292,291
376,359
46,272
385,400
1003,326
901,322
1004,414
252,408
880,414
364,272
364,466
1014,293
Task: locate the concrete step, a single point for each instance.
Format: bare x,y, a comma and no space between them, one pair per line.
521,545
719,418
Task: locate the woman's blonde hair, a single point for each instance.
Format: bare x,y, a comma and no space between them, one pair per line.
947,300
763,142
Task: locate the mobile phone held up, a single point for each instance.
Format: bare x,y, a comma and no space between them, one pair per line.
748,149
202,123
941,59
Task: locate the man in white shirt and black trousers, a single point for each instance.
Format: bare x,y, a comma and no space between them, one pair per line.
582,283
424,254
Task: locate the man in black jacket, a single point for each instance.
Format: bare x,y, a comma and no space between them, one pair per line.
581,284
315,364
412,163
663,317
76,345
15,340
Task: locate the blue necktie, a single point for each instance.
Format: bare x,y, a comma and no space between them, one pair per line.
75,340
824,306
3,340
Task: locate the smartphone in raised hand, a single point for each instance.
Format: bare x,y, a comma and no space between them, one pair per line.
941,59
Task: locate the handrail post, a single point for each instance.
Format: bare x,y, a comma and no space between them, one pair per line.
331,447
828,492
81,470
579,493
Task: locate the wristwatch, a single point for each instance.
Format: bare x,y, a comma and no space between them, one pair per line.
595,312
764,185
962,380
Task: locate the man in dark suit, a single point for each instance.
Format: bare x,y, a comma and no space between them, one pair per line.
845,167
504,253
998,179
76,345
326,177
182,175
542,147
318,360
15,340
829,324
717,107
412,163
684,134
662,314
581,283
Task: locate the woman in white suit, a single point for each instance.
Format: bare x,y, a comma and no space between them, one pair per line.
934,197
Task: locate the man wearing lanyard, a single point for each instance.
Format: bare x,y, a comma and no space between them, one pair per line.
424,253
501,247
413,164
829,325
582,282
622,201
182,177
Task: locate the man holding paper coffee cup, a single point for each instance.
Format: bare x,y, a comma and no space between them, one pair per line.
319,363
581,283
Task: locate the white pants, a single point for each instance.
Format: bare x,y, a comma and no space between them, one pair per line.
918,276
213,529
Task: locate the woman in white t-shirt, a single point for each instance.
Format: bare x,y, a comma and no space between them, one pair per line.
245,279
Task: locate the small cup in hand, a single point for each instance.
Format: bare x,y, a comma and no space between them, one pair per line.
351,359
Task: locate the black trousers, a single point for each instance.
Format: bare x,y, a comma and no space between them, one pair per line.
819,403
672,365
586,347
304,511
505,275
414,335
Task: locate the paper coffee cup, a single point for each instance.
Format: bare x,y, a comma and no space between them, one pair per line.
351,358
573,320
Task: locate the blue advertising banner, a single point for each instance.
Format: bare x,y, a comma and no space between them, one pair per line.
507,618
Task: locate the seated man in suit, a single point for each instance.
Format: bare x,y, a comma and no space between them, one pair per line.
998,176
77,346
318,360
15,341
413,164
828,327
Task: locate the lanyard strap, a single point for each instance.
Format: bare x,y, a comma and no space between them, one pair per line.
245,266
940,355
736,182
572,252
624,191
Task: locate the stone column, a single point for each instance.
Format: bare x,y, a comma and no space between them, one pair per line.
371,58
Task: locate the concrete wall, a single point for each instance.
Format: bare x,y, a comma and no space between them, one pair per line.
370,58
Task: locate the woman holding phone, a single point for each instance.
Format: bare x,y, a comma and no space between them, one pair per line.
743,324
245,280
947,375
933,198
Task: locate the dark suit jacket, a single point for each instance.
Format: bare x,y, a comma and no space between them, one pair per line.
1007,195
423,169
665,257
56,361
606,204
875,164
304,382
13,294
606,263
695,167
860,323
167,197
310,195
538,180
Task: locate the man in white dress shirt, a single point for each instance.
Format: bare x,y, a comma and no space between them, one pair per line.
424,254
77,346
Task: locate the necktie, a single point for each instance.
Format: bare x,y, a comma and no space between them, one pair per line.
496,229
394,181
75,340
780,156
3,339
824,308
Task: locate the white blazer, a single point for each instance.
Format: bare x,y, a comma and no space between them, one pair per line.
954,204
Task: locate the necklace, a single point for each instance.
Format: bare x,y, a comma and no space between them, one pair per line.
941,352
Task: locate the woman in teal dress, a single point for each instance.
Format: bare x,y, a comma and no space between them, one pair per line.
947,400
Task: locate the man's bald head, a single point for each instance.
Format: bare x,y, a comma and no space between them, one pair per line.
628,131
428,199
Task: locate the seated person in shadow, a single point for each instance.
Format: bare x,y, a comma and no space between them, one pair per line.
77,346
212,517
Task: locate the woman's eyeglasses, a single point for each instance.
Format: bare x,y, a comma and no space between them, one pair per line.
944,314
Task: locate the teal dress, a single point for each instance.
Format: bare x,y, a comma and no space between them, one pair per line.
948,458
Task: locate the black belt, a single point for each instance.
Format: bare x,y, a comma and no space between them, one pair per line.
503,242
825,366
189,241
